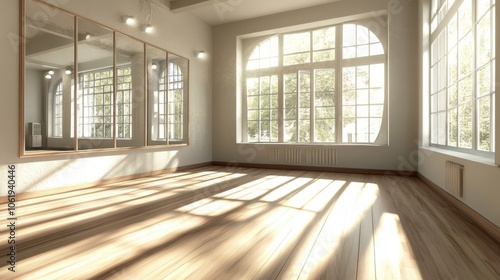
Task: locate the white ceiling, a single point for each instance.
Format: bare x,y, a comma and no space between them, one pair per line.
215,12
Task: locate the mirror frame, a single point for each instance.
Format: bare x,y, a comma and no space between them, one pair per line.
22,87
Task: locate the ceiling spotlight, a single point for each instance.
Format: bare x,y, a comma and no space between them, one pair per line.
48,76
200,54
130,20
88,36
148,28
68,71
154,66
51,72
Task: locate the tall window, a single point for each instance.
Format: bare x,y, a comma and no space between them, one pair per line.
462,94
96,103
318,86
57,111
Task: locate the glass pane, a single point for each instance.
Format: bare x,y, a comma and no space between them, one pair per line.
465,126
453,127
465,17
157,92
349,35
324,38
484,46
434,128
297,42
375,125
304,131
48,79
294,59
178,94
484,81
484,116
290,134
362,130
95,78
441,128
324,130
130,106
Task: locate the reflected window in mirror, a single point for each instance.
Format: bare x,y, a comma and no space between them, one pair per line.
89,87
48,53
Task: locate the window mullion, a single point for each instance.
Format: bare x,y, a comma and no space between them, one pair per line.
312,93
474,94
338,85
281,92
113,110
297,116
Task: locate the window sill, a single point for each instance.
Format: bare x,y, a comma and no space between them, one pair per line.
277,144
489,161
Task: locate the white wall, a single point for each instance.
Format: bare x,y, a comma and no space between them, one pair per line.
181,34
481,177
402,84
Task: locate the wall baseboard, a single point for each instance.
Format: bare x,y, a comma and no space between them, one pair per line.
40,193
472,216
316,168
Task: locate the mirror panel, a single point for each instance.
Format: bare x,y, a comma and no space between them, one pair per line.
130,97
48,78
157,103
177,99
87,87
95,95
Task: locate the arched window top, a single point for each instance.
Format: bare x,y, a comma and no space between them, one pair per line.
318,45
265,55
359,41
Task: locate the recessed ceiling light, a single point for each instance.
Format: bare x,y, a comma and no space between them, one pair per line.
148,28
130,20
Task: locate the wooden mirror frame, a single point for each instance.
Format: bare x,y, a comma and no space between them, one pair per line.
76,150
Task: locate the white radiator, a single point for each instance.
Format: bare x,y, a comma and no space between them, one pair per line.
304,155
454,174
35,136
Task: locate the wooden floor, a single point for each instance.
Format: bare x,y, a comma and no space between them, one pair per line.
243,223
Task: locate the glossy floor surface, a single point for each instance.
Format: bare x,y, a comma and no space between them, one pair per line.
244,223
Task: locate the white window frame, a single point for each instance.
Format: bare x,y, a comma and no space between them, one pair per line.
442,13
277,67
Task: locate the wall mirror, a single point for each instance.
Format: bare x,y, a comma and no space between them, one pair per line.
130,98
87,87
177,99
95,88
156,69
48,78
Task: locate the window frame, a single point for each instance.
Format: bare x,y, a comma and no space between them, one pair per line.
250,44
440,16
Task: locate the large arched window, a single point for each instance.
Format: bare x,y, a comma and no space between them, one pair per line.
325,85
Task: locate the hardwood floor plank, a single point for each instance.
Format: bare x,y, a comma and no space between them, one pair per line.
218,222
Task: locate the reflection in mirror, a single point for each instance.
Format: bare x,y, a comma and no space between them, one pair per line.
130,110
156,69
48,78
95,86
177,99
